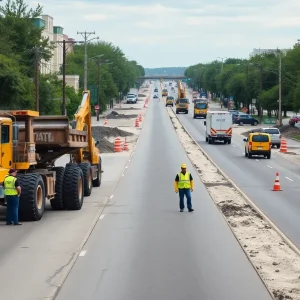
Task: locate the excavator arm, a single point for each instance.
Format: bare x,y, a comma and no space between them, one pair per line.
181,90
83,122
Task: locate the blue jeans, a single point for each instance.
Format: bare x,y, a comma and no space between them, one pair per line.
12,210
187,193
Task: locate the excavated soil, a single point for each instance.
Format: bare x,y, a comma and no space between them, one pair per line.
105,146
99,132
115,115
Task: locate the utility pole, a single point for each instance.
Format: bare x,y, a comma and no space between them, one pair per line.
261,111
222,67
99,63
85,35
37,59
280,87
65,49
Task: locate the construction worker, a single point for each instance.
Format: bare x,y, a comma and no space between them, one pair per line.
12,192
184,183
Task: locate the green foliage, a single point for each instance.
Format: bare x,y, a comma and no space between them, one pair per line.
117,73
256,78
22,43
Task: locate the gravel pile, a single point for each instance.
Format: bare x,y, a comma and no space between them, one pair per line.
105,146
115,115
100,132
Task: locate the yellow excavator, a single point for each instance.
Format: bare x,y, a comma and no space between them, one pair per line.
182,103
31,144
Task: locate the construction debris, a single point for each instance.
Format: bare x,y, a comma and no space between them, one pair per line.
115,115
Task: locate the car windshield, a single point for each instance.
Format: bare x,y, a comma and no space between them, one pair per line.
130,96
271,131
260,138
183,100
201,105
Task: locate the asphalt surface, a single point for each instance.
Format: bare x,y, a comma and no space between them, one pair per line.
35,256
256,177
142,246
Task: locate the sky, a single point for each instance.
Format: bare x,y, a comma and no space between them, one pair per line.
180,32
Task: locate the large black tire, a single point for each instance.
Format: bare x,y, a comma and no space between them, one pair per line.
87,178
32,199
57,203
229,141
97,181
73,188
71,165
177,112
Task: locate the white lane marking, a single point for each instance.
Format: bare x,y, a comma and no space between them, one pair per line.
101,217
269,167
123,175
111,196
82,253
257,159
233,145
129,160
126,167
289,179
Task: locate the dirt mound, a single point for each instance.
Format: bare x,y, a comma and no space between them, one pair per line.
105,146
115,115
99,132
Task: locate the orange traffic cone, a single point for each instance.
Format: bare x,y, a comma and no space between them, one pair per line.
140,118
105,121
276,187
125,148
283,146
117,146
137,122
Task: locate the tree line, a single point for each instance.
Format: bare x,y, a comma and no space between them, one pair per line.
255,78
22,46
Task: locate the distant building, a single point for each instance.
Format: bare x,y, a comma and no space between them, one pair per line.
266,51
55,34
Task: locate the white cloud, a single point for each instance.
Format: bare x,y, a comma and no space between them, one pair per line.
176,32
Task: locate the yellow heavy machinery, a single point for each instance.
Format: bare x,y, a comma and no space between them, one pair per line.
200,108
31,144
182,103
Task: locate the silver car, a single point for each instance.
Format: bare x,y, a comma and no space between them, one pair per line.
275,135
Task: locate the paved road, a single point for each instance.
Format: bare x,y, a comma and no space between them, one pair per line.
34,256
144,248
256,177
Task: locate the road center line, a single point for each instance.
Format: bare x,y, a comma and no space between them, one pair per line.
101,217
111,196
82,253
269,167
233,145
289,179
257,159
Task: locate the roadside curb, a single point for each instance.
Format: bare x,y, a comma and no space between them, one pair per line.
288,242
55,292
283,236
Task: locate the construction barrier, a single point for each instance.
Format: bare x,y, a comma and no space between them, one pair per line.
283,146
125,147
277,187
140,118
137,122
117,146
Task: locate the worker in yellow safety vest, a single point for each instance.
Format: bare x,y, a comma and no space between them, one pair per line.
184,184
12,192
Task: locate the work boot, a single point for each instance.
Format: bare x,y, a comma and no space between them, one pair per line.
181,210
190,210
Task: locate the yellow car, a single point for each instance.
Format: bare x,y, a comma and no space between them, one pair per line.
170,101
165,92
258,143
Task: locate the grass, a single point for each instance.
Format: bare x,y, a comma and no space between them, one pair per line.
296,137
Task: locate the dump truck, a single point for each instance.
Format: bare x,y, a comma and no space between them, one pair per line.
182,103
31,144
200,108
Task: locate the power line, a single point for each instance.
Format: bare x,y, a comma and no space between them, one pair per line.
86,35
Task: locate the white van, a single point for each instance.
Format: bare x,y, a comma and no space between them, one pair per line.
218,127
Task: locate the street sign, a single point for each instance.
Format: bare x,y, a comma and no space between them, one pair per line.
269,120
97,107
253,101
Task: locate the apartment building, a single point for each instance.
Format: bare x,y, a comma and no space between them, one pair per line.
266,51
55,34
